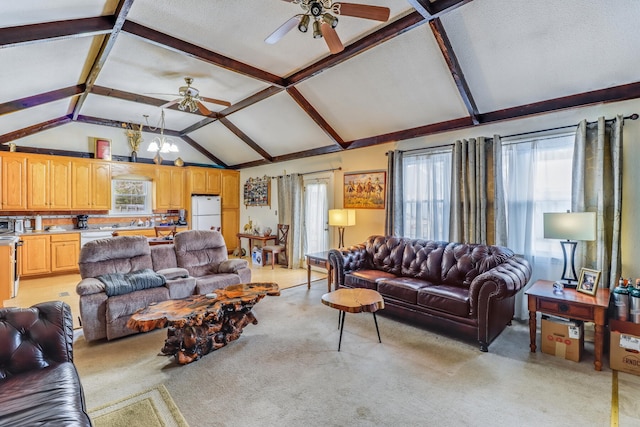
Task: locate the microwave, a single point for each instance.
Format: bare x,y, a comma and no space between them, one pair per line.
7,226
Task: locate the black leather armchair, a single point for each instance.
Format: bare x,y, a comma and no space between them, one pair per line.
39,384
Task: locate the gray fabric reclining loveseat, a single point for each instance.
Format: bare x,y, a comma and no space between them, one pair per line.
196,263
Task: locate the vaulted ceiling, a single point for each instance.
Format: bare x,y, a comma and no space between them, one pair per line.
433,66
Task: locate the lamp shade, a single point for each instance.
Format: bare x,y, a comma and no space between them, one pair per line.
570,225
342,217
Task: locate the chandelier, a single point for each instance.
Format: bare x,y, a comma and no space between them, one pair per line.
161,143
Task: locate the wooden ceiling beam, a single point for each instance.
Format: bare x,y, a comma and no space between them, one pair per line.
454,68
315,115
203,151
253,99
186,48
37,33
384,34
31,130
292,156
436,9
245,138
42,98
122,10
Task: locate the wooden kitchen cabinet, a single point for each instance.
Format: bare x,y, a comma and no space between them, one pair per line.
49,183
65,251
230,189
14,182
35,256
169,188
204,181
6,272
91,185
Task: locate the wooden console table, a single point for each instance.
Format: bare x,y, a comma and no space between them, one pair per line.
319,259
251,238
570,304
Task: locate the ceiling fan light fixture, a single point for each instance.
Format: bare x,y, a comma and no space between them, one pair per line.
317,31
330,19
303,26
316,8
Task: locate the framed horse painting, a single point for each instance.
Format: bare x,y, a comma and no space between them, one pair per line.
364,190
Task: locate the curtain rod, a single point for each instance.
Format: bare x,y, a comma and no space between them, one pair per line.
633,116
309,173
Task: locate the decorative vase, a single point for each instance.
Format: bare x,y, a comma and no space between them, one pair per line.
134,156
157,159
178,162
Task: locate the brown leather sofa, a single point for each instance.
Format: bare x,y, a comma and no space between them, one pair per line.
39,384
196,263
463,289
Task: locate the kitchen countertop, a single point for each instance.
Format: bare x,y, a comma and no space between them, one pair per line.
86,230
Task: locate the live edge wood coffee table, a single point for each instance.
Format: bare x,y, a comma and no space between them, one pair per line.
354,300
201,324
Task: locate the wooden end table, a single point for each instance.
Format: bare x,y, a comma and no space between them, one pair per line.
571,304
319,259
354,300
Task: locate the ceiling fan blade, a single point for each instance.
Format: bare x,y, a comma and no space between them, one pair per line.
204,110
216,101
332,39
282,30
170,103
376,13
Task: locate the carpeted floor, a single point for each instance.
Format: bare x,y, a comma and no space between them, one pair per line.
286,370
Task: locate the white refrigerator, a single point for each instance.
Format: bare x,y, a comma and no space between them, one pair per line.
205,212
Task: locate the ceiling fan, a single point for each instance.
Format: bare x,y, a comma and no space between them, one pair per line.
323,14
190,99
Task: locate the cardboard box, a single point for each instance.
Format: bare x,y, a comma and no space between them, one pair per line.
256,257
624,349
562,337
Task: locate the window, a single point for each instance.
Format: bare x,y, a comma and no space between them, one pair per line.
537,179
427,193
130,197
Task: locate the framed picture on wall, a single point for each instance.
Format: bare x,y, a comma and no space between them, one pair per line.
102,148
364,190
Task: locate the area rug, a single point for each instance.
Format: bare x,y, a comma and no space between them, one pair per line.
151,408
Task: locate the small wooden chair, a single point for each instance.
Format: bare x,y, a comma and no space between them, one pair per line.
279,248
165,230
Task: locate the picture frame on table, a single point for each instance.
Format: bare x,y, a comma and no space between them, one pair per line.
365,190
588,282
102,148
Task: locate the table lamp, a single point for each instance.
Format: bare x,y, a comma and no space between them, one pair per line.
342,218
571,226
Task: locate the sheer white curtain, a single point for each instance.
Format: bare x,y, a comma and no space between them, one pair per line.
536,179
426,188
316,210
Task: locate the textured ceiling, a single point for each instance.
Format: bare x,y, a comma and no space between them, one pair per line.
433,66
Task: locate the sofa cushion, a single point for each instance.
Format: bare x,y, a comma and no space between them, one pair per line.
386,253
422,259
51,396
450,299
121,254
366,278
200,252
461,262
181,287
163,257
402,288
208,284
127,304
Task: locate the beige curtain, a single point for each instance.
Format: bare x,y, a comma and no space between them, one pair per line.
476,192
597,187
291,212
